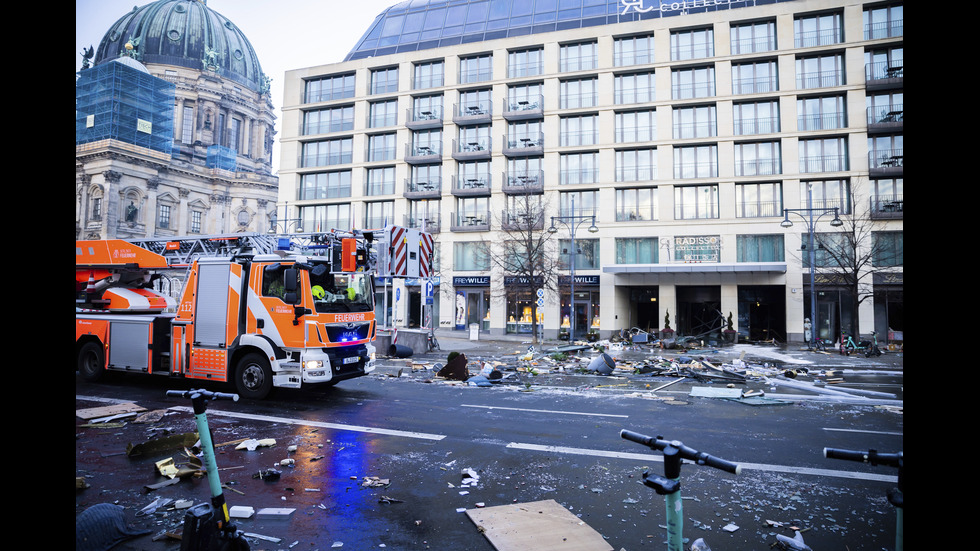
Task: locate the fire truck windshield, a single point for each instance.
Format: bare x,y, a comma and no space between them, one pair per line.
341,292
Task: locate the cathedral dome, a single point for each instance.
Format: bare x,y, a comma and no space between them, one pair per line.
184,33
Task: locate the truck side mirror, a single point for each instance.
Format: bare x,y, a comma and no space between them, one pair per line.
289,284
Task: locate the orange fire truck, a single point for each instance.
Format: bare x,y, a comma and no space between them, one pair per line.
256,311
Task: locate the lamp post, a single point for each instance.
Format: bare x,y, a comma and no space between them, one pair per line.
572,222
810,216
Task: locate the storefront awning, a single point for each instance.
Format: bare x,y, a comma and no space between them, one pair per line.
713,267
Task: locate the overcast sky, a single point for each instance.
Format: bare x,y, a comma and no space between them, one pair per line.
286,34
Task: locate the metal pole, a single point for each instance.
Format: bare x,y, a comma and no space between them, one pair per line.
571,298
813,269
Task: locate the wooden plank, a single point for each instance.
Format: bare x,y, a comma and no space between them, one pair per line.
107,411
539,525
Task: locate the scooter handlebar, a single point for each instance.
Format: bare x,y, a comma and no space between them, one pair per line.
206,394
658,443
870,456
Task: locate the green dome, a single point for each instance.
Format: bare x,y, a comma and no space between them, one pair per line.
184,33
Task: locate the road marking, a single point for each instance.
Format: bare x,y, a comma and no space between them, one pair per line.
744,466
547,411
307,422
867,431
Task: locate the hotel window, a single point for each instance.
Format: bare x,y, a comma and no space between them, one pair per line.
579,93
578,57
380,181
324,217
636,165
821,113
699,121
328,152
692,44
636,204
586,254
430,74
694,82
325,185
528,168
474,102
818,30
333,119
758,159
470,256
474,138
585,203
524,97
823,155
758,200
330,88
755,37
474,174
429,175
427,142
187,125
888,249
196,218
579,168
888,196
635,88
695,202
633,50
758,77
697,161
525,63
636,126
820,71
381,147
424,212
760,117
827,194
884,63
473,211
427,108
524,134
832,251
582,130
383,113
379,214
476,68
886,151
884,22
637,250
384,81
760,248
886,107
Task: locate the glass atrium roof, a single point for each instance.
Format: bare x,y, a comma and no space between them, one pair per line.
422,24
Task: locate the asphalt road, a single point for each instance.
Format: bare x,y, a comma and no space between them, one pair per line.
557,439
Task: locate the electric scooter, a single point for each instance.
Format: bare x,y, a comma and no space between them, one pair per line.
208,526
895,495
669,485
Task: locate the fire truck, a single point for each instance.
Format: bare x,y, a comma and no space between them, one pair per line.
257,312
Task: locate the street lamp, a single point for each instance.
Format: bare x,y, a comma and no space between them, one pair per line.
808,216
572,222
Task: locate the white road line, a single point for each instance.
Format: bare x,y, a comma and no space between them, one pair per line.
866,431
659,459
309,423
548,411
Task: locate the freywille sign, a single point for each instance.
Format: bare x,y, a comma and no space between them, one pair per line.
640,6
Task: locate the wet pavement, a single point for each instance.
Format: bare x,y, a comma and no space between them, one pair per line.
327,498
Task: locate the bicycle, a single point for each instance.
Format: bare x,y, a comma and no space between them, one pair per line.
208,526
869,347
895,495
669,485
432,343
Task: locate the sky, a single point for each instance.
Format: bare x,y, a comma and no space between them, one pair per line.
286,34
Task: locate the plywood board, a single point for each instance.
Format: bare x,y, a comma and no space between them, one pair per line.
107,411
539,525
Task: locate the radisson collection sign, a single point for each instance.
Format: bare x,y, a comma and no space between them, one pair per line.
641,6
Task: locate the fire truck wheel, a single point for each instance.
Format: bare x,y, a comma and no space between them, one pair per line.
253,377
91,361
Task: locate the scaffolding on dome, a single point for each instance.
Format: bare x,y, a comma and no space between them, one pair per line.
115,101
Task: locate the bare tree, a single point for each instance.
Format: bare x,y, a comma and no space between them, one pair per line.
856,251
524,252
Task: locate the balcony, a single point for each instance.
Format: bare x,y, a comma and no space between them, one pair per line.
427,189
521,221
430,223
479,112
423,154
524,183
883,76
476,221
887,208
472,186
424,118
472,149
524,109
524,145
886,120
886,163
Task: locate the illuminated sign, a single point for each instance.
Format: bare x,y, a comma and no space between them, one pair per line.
640,6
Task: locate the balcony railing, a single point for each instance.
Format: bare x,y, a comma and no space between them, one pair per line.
819,79
471,185
426,117
758,209
884,74
430,223
471,148
518,220
472,112
822,121
886,208
427,153
523,145
525,182
531,107
823,163
580,176
430,188
751,126
470,221
886,162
